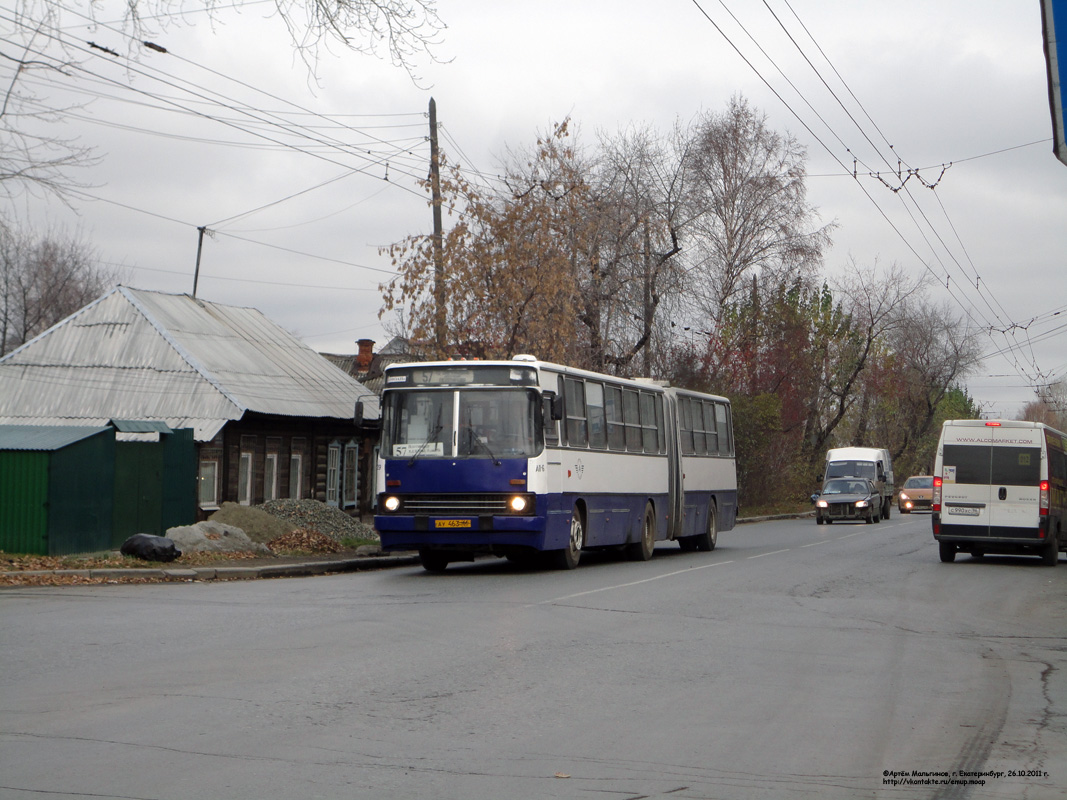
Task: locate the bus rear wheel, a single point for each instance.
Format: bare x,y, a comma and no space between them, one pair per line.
642,550
568,557
707,540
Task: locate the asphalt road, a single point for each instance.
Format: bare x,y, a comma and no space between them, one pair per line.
793,661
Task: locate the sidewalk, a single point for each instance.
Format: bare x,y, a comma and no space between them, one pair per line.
281,567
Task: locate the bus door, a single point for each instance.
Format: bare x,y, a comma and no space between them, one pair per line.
558,517
675,476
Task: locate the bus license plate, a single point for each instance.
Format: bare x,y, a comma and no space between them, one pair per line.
452,523
964,511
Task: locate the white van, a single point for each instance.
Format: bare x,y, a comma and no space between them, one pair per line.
1000,486
872,463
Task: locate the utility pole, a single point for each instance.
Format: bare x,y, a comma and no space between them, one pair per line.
440,329
199,250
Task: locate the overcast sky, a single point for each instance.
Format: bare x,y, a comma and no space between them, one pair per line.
303,178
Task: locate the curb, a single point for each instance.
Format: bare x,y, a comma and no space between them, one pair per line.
236,573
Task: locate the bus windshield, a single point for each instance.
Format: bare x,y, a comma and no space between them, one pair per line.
468,423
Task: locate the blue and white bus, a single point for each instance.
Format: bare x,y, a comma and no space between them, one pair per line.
521,457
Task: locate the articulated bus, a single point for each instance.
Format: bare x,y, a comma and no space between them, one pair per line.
537,461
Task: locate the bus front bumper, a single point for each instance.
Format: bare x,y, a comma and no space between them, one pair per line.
477,534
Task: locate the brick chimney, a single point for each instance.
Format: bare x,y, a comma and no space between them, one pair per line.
365,354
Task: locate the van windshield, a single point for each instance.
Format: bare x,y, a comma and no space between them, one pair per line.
851,469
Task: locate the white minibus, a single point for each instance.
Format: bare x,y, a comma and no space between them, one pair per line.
1000,486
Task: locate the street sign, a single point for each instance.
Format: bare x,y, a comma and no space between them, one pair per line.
1053,23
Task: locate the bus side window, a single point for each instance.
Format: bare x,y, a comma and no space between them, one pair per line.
613,412
710,428
685,409
649,434
631,415
700,441
726,433
594,401
661,432
577,431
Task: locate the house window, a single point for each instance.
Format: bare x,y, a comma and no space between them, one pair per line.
297,448
333,473
350,493
270,477
244,480
209,484
296,475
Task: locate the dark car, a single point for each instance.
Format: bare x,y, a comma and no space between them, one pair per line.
849,499
917,492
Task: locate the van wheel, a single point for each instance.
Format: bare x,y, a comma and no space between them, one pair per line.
568,557
1050,556
947,552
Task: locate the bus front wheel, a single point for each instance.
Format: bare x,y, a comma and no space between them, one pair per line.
568,557
433,560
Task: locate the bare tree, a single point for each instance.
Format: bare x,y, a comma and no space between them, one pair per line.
850,363
748,210
43,281
33,157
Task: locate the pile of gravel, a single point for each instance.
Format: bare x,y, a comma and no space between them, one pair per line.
312,515
257,524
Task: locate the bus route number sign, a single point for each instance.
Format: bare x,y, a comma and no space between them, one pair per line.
452,523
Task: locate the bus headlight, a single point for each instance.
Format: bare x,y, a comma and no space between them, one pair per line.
391,503
519,503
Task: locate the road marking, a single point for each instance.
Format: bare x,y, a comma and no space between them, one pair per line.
761,555
624,585
813,544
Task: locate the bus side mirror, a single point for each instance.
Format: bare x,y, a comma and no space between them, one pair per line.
553,406
357,417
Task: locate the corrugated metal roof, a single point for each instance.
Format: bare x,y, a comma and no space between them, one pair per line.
204,430
44,437
133,355
140,426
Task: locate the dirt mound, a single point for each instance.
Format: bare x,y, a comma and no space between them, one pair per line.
257,524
